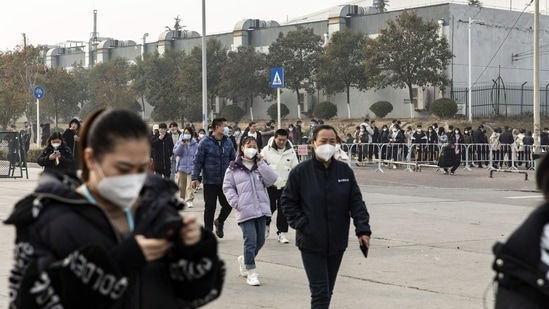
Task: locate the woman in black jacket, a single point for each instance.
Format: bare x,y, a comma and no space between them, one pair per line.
114,240
320,196
56,157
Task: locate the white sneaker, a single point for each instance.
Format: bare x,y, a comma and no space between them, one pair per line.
282,238
242,267
267,231
190,204
253,279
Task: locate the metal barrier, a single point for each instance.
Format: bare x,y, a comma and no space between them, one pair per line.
13,161
416,156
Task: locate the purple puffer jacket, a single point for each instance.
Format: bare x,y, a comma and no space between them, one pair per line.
246,190
185,155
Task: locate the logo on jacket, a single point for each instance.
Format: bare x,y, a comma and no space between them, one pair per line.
343,180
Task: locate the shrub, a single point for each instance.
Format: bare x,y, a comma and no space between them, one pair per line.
232,112
325,110
272,111
381,108
34,154
444,108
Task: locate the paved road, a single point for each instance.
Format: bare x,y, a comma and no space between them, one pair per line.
431,246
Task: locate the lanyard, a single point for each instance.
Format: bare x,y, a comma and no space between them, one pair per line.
128,212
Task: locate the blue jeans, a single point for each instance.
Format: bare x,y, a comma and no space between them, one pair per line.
253,233
172,168
322,272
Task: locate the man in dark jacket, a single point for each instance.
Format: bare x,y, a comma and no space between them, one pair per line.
210,163
506,139
298,133
449,158
544,139
252,131
481,145
162,148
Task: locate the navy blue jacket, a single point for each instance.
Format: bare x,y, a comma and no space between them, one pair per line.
318,203
212,159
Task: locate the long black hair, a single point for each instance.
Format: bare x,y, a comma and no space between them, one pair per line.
104,128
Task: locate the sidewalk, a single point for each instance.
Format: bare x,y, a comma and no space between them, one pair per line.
431,243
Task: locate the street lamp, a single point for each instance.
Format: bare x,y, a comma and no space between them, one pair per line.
471,21
204,72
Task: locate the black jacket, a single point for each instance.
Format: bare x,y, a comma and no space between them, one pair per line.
162,151
259,138
66,161
506,138
448,156
68,247
521,272
318,203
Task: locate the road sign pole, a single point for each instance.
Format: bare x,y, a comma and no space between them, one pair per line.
38,123
278,106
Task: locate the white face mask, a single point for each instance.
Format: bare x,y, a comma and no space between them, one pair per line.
250,153
56,145
122,190
325,152
187,136
201,135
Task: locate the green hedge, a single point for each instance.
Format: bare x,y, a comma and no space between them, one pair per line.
33,155
444,108
381,108
272,111
325,110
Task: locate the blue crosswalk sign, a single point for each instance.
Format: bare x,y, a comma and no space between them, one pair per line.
277,78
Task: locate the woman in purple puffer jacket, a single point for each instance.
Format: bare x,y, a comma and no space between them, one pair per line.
245,186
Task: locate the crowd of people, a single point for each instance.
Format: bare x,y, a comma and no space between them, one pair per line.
140,239
254,170
503,147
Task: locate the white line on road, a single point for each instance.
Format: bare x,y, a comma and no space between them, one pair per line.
524,197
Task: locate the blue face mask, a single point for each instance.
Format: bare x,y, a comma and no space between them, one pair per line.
226,131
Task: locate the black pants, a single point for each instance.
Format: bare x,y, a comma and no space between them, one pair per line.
274,197
322,273
454,166
164,172
211,194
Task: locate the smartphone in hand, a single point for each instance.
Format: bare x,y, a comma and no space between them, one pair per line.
364,250
169,229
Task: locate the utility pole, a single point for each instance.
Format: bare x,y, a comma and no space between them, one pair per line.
537,111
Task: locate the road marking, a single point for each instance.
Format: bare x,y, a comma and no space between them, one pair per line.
524,197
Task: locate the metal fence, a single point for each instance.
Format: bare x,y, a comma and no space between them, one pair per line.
500,100
412,157
13,161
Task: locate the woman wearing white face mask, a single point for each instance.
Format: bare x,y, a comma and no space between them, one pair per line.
245,186
319,198
56,157
114,238
185,149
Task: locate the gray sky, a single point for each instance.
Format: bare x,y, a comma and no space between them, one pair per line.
50,22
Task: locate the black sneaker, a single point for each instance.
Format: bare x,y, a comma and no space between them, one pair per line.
219,228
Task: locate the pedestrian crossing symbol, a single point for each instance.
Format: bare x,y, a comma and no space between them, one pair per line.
277,78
